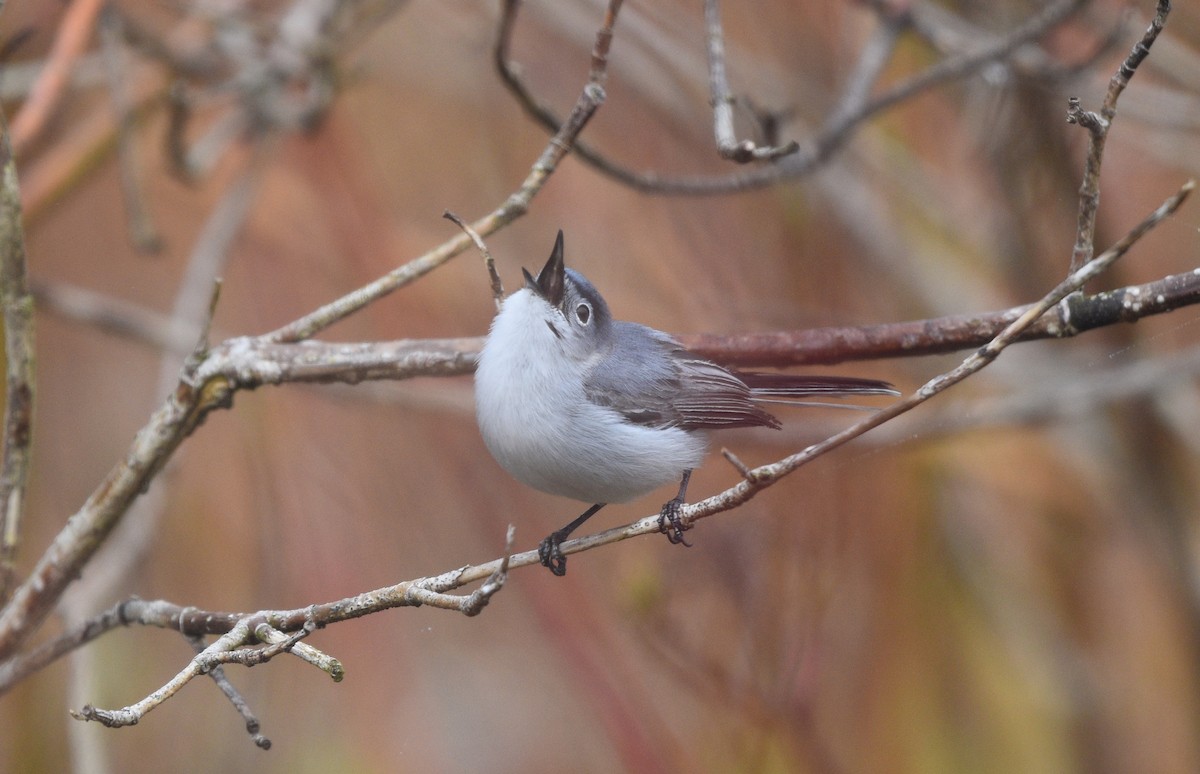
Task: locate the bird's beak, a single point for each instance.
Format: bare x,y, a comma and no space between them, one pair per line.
550,280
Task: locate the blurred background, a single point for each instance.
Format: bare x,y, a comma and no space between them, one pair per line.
1004,580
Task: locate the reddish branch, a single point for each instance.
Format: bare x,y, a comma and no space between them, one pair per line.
825,346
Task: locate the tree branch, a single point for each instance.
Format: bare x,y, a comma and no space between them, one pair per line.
200,390
251,362
813,153
242,634
728,145
285,355
257,638
513,207
235,698
19,374
73,34
1098,125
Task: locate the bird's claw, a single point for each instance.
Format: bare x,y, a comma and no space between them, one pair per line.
551,555
670,523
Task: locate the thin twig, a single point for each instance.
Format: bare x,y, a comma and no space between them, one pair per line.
728,145
198,391
737,463
73,33
872,61
282,630
142,231
113,315
837,131
280,642
202,663
1098,125
513,207
488,262
235,698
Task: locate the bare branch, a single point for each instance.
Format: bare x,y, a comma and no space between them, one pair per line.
277,629
113,315
19,356
281,631
199,390
488,262
939,335
235,698
836,132
767,475
201,664
238,629
73,34
1098,125
256,363
248,362
514,207
142,231
722,100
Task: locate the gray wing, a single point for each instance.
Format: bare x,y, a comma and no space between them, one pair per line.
647,377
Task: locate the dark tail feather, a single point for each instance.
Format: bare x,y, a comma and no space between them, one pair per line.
777,385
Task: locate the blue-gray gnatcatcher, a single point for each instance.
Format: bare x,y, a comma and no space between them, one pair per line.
574,403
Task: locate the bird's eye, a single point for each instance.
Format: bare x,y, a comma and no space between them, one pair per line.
583,313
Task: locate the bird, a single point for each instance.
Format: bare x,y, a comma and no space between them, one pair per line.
574,403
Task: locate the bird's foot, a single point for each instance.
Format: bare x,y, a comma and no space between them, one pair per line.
551,555
670,523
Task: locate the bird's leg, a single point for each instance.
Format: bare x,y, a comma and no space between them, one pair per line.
549,550
669,522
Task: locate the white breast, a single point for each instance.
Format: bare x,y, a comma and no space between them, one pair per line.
542,429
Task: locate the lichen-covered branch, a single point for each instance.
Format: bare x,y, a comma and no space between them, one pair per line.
19,358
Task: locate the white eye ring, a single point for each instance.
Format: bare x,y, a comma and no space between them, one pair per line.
583,313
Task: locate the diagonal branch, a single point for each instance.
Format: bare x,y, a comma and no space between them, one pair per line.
513,207
236,629
199,391
762,477
72,37
281,631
